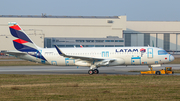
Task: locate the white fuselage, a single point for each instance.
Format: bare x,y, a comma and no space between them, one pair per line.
123,55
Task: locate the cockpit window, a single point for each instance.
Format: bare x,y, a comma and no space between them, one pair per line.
162,52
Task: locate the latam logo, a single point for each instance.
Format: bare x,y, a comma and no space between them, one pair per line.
127,50
130,50
142,50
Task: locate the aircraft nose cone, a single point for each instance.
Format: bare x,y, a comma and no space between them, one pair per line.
171,58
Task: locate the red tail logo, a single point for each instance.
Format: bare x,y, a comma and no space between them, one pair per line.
16,27
20,41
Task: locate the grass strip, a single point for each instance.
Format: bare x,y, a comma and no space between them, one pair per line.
90,87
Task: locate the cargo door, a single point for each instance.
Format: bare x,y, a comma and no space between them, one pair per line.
135,60
69,62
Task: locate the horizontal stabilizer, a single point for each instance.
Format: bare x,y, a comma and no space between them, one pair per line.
15,53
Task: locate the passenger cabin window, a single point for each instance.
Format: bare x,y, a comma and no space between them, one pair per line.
162,52
69,45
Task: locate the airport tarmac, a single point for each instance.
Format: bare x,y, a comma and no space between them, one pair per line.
39,70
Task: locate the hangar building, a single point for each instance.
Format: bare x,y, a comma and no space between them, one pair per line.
66,31
92,31
163,34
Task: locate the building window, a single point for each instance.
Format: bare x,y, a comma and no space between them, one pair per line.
119,40
99,40
59,41
99,45
128,39
89,40
109,45
146,39
69,45
79,45
79,40
89,45
48,43
61,45
118,45
70,41
166,41
109,21
109,40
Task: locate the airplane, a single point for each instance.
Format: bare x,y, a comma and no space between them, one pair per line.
92,57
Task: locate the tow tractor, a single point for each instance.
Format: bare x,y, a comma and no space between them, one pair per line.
167,70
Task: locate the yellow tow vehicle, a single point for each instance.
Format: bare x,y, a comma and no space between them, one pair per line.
167,70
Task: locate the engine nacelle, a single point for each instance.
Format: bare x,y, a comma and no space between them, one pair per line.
82,63
158,65
118,61
102,63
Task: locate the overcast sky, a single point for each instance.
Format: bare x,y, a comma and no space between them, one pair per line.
135,10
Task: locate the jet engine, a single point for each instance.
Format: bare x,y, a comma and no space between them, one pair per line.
82,63
117,61
107,62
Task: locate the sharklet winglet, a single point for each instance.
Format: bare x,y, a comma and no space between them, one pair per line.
59,51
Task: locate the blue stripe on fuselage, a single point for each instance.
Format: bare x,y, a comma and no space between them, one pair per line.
24,48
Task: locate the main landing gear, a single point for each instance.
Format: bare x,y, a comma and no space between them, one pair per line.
95,71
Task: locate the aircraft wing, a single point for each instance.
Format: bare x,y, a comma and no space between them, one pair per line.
91,59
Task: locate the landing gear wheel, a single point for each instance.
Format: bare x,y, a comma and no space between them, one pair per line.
91,72
96,71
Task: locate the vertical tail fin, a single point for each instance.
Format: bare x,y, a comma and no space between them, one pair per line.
21,41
